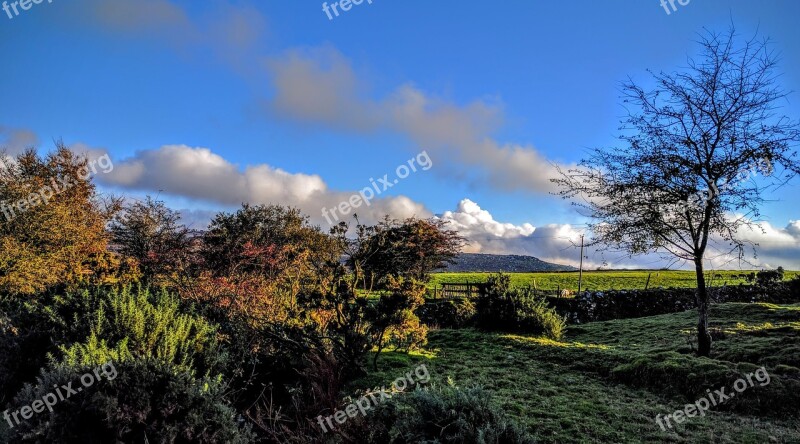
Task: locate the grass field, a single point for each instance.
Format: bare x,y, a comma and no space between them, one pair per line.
605,280
562,391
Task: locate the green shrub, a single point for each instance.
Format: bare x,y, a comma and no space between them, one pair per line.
516,310
456,313
147,401
447,416
392,318
534,315
769,277
125,323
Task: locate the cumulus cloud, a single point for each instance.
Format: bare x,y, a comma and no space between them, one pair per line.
554,243
200,174
559,243
772,247
319,86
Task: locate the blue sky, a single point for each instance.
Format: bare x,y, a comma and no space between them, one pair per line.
298,109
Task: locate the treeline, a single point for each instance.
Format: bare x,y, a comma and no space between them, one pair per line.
242,333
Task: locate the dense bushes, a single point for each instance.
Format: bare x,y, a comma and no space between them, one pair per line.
258,321
448,313
130,323
392,317
516,310
16,357
444,416
145,401
769,277
498,308
154,339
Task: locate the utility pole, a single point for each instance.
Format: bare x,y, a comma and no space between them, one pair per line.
580,270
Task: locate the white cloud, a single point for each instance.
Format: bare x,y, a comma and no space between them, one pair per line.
200,174
559,243
774,247
320,87
553,243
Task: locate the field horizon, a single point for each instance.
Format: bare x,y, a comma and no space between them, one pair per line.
605,279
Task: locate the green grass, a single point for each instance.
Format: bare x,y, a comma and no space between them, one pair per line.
604,280
566,391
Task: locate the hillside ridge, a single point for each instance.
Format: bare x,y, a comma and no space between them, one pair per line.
507,263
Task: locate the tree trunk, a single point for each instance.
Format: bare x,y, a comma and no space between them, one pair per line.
703,337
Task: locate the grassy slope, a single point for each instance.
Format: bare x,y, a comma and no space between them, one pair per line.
562,392
604,280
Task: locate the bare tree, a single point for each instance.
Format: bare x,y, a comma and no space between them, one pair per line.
700,151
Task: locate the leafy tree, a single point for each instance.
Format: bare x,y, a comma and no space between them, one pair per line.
393,317
53,221
150,232
358,251
411,249
269,240
677,183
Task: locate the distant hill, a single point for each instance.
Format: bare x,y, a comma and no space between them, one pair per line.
472,262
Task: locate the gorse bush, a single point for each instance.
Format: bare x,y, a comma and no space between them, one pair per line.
146,401
446,416
392,318
534,315
516,310
131,323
